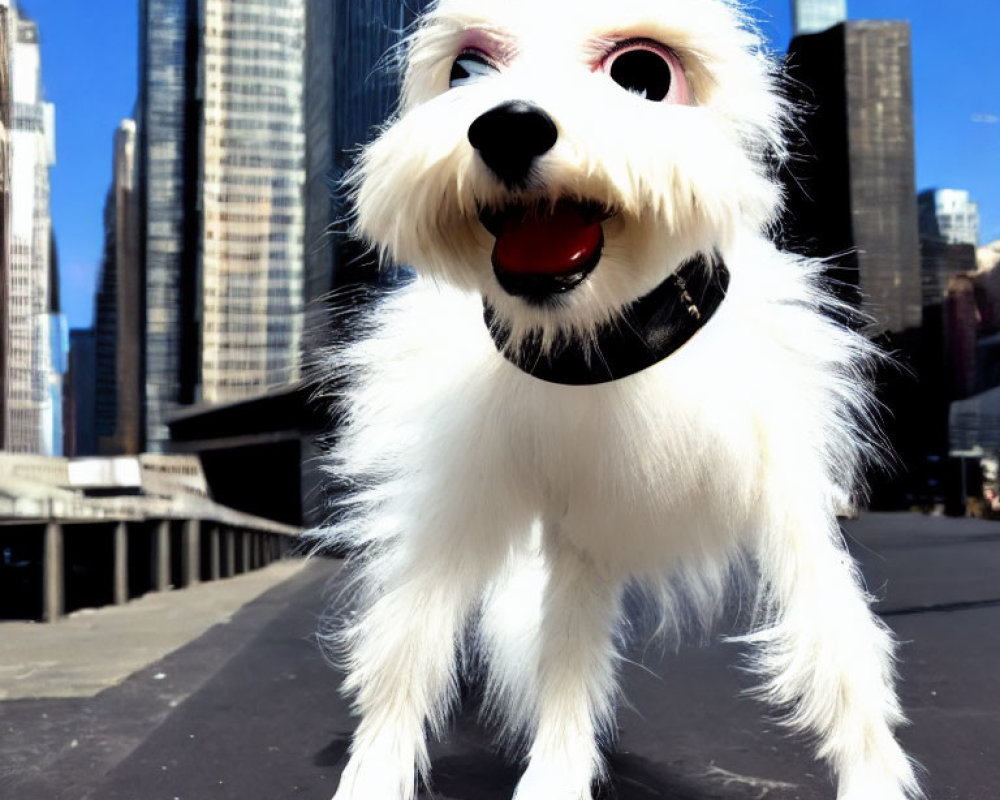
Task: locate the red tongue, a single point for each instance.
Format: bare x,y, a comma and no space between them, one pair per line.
561,242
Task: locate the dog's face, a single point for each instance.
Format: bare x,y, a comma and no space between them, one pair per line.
563,157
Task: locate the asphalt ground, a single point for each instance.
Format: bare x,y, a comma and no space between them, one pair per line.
250,709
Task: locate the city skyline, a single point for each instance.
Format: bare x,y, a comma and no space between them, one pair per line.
958,128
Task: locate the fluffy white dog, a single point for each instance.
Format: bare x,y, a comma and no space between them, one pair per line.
604,375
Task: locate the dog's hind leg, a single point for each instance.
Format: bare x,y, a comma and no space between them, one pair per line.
402,651
575,688
827,660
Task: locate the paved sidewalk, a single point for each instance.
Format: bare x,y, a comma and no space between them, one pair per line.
94,649
249,711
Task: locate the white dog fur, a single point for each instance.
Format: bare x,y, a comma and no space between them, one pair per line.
492,501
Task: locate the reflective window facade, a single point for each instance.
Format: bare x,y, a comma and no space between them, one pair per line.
352,85
118,306
253,157
221,179
167,175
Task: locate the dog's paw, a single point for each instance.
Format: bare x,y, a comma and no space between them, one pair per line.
874,791
373,779
872,785
546,783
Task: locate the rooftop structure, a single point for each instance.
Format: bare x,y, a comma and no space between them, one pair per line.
89,532
812,16
949,215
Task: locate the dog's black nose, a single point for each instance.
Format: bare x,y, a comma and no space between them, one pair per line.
510,137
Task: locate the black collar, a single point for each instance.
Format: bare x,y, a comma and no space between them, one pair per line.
649,330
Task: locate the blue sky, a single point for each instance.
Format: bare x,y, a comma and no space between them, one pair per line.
89,65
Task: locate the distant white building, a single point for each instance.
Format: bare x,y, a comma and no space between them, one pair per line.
988,256
812,16
29,409
949,215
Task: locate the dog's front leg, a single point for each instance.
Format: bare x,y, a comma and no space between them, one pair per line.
401,666
576,675
827,659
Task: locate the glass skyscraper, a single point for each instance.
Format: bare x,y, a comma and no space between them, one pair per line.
167,185
253,157
811,16
352,86
117,310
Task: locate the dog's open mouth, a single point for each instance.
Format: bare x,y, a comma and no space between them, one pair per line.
542,251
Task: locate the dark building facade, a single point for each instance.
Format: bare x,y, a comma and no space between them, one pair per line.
852,199
81,417
939,261
352,85
167,183
852,191
118,328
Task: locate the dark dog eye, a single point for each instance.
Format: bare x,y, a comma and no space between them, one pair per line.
647,69
468,67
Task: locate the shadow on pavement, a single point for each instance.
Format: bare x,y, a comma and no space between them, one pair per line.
484,775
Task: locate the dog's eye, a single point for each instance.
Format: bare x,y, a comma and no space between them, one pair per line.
647,69
468,67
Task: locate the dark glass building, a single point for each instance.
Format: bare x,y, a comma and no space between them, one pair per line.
851,190
352,82
81,413
852,199
167,178
118,328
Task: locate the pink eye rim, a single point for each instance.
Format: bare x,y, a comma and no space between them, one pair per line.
477,40
676,91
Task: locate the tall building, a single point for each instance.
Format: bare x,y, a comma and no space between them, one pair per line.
351,87
29,412
221,175
6,17
812,16
851,191
81,423
949,215
118,310
253,161
852,200
53,434
167,185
